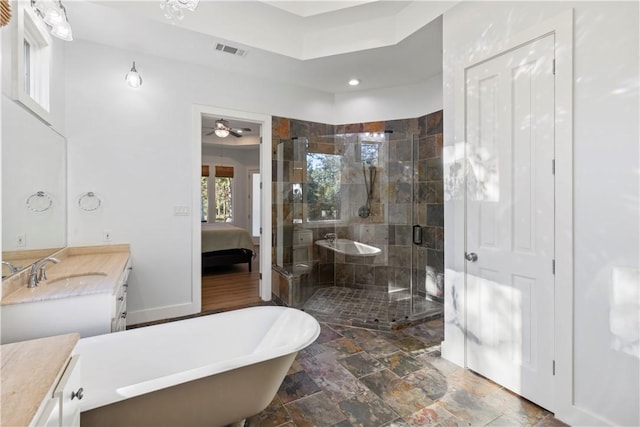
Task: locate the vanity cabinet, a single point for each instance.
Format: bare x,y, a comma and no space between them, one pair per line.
41,382
119,318
90,311
62,408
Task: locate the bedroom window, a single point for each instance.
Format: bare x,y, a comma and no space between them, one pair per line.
223,189
204,194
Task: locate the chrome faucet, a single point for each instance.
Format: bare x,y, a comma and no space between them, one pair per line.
34,277
331,237
12,267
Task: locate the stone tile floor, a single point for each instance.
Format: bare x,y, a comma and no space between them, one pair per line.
359,377
370,309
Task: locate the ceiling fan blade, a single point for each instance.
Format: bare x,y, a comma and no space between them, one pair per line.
210,133
234,133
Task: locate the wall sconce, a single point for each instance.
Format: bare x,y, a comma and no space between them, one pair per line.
55,16
133,78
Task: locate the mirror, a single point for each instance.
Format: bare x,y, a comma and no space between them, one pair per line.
34,195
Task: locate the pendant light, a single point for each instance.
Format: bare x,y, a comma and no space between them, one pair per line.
133,78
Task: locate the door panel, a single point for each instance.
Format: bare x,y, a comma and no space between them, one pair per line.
510,213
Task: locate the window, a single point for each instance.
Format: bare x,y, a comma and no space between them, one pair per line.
204,194
323,187
33,62
223,189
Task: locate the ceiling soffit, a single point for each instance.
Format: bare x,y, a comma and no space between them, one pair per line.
300,29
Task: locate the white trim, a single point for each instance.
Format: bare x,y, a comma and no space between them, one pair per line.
562,26
264,120
153,314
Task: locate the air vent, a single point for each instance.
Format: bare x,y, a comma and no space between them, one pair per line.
230,49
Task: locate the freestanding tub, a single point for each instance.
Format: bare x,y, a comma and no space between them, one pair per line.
349,247
207,371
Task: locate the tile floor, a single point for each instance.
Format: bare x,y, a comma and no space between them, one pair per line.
370,309
359,377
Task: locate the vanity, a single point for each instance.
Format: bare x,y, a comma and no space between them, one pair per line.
41,382
86,292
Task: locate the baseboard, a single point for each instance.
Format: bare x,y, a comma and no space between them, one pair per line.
161,313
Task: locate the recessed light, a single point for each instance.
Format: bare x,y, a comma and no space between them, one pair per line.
354,82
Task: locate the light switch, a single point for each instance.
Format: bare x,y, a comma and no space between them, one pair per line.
181,210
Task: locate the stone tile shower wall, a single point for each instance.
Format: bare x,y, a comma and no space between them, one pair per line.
391,199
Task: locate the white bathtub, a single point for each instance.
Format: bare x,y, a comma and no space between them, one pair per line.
210,370
349,247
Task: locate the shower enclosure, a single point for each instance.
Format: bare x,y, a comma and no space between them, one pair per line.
356,191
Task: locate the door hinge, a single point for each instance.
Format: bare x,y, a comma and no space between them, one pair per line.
261,186
261,137
260,230
553,67
553,166
553,266
553,367
260,274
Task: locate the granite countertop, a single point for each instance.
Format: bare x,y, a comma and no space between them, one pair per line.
106,262
30,371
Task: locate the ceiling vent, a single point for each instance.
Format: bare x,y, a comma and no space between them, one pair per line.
230,49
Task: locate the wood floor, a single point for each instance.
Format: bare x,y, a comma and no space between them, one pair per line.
231,287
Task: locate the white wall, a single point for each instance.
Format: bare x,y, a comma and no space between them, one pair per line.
606,185
242,160
392,103
133,148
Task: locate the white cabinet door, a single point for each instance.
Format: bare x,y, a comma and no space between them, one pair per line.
70,392
50,416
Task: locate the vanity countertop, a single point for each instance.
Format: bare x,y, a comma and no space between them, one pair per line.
30,370
109,261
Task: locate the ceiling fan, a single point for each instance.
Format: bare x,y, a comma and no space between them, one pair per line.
222,129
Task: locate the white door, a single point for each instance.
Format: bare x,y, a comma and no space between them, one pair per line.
510,217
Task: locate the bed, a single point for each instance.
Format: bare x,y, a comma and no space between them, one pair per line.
225,244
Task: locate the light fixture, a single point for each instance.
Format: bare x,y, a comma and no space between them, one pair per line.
54,15
222,133
354,82
173,8
222,129
133,78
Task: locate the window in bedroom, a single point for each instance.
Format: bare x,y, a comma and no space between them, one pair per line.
223,188
204,194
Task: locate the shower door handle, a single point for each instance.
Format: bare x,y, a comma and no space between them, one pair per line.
471,256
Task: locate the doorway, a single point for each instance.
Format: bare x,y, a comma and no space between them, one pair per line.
263,162
510,205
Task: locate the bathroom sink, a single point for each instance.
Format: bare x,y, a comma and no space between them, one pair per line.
78,279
